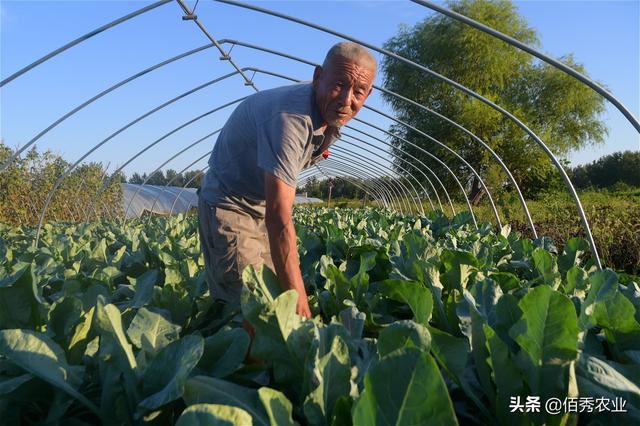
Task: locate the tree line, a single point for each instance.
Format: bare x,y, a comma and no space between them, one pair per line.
608,171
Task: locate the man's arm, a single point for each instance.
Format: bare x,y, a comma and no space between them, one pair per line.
282,238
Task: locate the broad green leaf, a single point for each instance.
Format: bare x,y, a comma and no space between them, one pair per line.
277,406
475,333
353,320
108,321
405,333
203,389
506,376
37,354
263,280
603,286
151,331
576,281
546,267
163,380
404,388
20,304
548,329
412,293
450,351
573,249
547,332
214,415
459,265
63,316
144,288
224,352
80,338
333,372
609,377
99,252
337,283
507,314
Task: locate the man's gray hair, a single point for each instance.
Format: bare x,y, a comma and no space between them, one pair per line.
353,52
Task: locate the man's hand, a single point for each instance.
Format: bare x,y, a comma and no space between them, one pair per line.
282,239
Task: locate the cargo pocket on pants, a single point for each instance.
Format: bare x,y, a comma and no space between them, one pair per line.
225,247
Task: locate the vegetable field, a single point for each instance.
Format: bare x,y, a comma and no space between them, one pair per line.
416,321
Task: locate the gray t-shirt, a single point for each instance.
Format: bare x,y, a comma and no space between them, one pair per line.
278,131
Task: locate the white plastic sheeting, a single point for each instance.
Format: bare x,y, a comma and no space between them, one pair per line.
165,195
306,200
164,198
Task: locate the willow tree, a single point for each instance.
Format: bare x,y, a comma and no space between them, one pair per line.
562,111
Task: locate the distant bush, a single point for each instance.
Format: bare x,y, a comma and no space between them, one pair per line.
24,187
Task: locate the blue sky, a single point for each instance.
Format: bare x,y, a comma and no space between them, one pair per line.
603,35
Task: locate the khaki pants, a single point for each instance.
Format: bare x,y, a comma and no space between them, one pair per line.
230,242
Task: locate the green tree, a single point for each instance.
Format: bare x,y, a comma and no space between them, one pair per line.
561,110
136,178
608,170
195,183
25,185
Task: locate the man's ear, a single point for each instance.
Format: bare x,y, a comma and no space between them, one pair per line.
317,72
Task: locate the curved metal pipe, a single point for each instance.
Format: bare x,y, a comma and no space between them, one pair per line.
201,171
166,135
420,210
171,181
83,105
81,39
504,167
406,198
122,129
70,168
389,192
376,180
460,87
406,161
225,55
453,210
469,166
367,188
553,62
464,194
320,171
401,189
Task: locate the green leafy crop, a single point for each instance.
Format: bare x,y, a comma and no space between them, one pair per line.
416,320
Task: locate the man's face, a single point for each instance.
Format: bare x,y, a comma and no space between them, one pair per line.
341,89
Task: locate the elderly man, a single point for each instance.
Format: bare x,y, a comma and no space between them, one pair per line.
247,196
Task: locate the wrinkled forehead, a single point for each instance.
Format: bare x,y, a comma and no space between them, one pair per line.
360,67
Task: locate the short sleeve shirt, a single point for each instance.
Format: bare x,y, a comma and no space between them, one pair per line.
278,131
